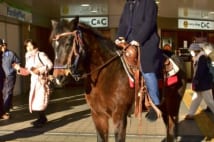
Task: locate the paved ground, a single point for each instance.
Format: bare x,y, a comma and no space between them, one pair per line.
70,121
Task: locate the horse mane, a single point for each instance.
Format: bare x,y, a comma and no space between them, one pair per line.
61,26
91,30
105,42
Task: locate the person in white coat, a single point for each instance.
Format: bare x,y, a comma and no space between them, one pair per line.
37,64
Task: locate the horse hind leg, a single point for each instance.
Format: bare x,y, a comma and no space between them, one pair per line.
102,127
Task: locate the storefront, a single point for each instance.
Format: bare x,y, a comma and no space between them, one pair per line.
187,32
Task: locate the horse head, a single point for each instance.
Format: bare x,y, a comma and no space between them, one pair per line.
79,49
66,39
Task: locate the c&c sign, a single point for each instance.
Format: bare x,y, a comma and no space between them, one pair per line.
93,21
195,24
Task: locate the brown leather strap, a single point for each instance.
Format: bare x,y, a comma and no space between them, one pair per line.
137,86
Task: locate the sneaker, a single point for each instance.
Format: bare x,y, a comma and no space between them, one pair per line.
189,117
5,116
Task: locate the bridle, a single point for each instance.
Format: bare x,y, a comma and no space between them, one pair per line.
77,41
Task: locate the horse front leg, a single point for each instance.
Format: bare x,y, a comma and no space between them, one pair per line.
120,123
102,127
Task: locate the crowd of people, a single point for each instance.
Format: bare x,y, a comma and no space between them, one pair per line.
37,64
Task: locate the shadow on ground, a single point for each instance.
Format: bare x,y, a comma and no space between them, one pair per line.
61,100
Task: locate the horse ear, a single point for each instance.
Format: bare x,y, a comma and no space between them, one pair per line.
74,22
54,23
76,19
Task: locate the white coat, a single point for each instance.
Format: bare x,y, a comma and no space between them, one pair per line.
38,100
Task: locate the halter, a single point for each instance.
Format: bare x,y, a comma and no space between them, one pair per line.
77,41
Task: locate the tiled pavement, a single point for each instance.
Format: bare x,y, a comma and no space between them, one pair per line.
70,121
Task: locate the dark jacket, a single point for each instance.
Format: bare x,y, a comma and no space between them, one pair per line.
202,80
8,58
139,22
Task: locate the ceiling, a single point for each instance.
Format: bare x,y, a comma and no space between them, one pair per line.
198,9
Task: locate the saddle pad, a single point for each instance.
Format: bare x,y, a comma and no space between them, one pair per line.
171,80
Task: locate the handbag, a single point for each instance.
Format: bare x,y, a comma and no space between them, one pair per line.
48,83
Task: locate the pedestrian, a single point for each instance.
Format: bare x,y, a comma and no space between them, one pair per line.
138,26
209,51
201,82
2,76
37,65
8,59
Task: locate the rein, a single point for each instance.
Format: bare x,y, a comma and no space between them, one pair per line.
78,41
99,67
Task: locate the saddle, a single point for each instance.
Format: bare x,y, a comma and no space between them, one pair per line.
131,62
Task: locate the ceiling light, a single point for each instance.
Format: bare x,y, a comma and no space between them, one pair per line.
85,4
93,11
157,1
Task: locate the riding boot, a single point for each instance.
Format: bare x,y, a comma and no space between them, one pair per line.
151,115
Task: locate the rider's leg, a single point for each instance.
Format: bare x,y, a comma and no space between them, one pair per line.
152,86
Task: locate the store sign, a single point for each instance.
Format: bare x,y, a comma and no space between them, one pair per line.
195,24
93,21
19,14
97,8
15,13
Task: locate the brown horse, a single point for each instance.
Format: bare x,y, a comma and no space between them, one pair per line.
86,54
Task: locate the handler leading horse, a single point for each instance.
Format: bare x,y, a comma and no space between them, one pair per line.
86,54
